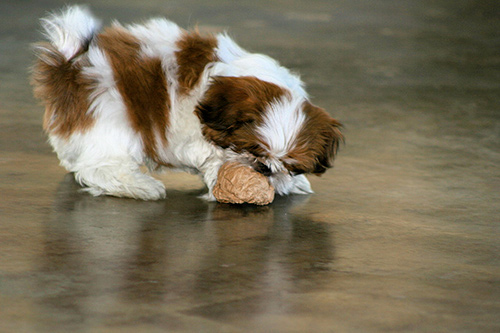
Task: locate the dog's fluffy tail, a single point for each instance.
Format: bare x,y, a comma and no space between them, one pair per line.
69,31
56,74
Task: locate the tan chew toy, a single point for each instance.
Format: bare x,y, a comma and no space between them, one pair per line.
237,184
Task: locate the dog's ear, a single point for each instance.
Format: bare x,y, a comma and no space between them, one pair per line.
232,105
325,159
328,138
317,142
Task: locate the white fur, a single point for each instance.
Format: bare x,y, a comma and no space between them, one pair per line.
281,126
285,184
70,29
106,158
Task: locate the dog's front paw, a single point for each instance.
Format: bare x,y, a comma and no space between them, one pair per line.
208,197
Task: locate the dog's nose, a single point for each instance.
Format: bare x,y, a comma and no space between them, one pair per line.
263,169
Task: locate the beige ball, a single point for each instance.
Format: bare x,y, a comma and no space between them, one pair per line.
237,184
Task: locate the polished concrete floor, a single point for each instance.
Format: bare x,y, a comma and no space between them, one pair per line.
402,235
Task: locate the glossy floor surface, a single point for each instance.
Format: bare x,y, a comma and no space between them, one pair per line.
402,235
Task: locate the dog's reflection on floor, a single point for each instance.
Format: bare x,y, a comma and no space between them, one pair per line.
181,249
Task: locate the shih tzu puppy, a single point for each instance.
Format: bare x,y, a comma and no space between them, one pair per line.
157,95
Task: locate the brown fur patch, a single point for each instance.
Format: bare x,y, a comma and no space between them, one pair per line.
141,82
317,142
194,54
65,91
231,109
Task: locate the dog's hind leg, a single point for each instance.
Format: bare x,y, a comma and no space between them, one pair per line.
120,178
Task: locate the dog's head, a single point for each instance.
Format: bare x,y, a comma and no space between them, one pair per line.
268,127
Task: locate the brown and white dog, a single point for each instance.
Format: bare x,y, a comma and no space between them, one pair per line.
156,95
